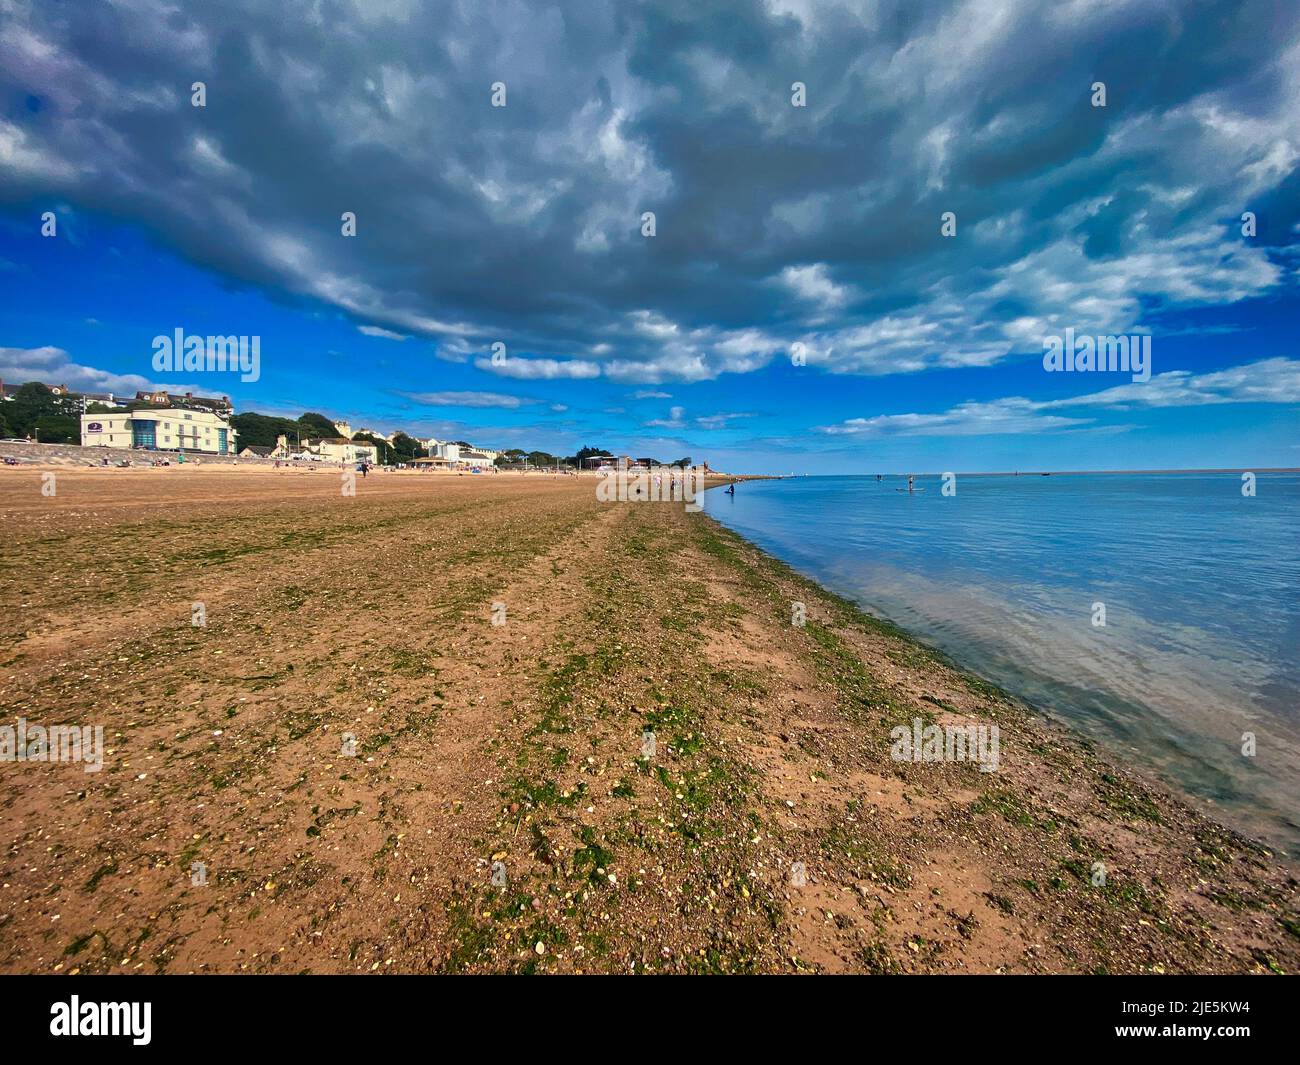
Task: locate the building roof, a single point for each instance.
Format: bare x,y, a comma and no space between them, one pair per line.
189,399
223,416
260,449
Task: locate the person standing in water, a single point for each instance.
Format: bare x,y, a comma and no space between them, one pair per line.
910,480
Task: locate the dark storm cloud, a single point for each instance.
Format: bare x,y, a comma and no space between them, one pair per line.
776,224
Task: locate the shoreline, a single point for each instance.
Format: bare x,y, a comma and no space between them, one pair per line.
1132,800
522,744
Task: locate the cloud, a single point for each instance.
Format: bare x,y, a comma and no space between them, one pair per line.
540,369
650,394
814,285
677,420
998,417
54,366
379,331
775,224
718,421
467,399
1274,380
673,421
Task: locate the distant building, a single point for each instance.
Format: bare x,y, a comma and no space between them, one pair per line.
215,405
258,451
345,430
106,399
340,449
160,430
73,402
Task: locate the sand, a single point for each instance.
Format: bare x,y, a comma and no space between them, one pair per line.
375,777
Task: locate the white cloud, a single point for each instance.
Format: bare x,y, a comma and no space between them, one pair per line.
53,366
379,331
996,417
673,421
468,399
813,283
718,421
540,369
1274,380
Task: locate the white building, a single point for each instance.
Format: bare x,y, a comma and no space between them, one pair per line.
450,452
176,429
340,449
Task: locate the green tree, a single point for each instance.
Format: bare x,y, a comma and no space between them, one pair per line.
32,402
406,448
314,425
585,453
261,430
57,429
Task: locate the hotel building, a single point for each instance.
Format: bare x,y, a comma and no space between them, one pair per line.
160,430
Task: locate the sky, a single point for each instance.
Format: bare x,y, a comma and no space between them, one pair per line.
869,219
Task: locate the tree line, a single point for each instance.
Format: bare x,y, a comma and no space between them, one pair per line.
35,412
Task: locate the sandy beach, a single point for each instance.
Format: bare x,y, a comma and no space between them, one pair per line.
410,735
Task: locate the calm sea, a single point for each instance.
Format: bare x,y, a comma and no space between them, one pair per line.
1200,584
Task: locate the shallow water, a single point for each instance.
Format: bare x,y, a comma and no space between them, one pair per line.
1201,589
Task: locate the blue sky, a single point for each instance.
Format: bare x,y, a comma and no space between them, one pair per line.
776,225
